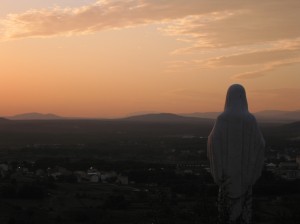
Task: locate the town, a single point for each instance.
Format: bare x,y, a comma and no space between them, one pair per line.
132,171
174,183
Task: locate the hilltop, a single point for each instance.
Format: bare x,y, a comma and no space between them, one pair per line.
35,116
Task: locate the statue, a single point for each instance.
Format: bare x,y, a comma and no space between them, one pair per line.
236,154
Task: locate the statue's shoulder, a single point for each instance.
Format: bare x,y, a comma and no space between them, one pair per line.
222,120
251,118
223,116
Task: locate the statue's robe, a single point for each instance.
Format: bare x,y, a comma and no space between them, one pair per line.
236,150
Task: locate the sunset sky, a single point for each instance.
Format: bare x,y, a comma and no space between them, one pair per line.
111,58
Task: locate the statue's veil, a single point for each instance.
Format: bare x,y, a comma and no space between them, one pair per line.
236,145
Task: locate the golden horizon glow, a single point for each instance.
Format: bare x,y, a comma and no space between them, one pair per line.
111,58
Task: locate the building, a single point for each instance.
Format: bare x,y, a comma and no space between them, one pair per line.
289,170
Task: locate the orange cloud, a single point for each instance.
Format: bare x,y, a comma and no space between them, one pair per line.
219,23
258,57
266,69
240,27
98,16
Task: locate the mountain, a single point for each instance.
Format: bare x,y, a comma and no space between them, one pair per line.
35,116
142,113
2,119
262,116
278,116
210,115
267,116
166,118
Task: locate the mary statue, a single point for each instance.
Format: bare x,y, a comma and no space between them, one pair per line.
236,155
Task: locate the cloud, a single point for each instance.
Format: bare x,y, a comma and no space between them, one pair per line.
258,57
258,33
284,54
245,33
99,16
266,69
253,22
212,23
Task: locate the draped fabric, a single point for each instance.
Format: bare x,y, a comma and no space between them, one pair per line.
236,146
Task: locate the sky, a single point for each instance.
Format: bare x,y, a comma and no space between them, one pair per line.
113,58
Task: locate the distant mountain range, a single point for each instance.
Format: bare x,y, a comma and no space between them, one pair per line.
273,123
209,115
263,116
271,116
3,120
277,115
166,117
35,116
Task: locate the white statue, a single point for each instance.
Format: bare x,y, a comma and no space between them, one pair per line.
236,155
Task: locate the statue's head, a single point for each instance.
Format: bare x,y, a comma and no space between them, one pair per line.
236,100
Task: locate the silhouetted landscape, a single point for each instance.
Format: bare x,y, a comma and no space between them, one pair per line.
116,112
141,169
274,116
35,116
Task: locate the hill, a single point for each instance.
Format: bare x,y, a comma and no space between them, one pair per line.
35,116
2,119
209,115
167,118
276,116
